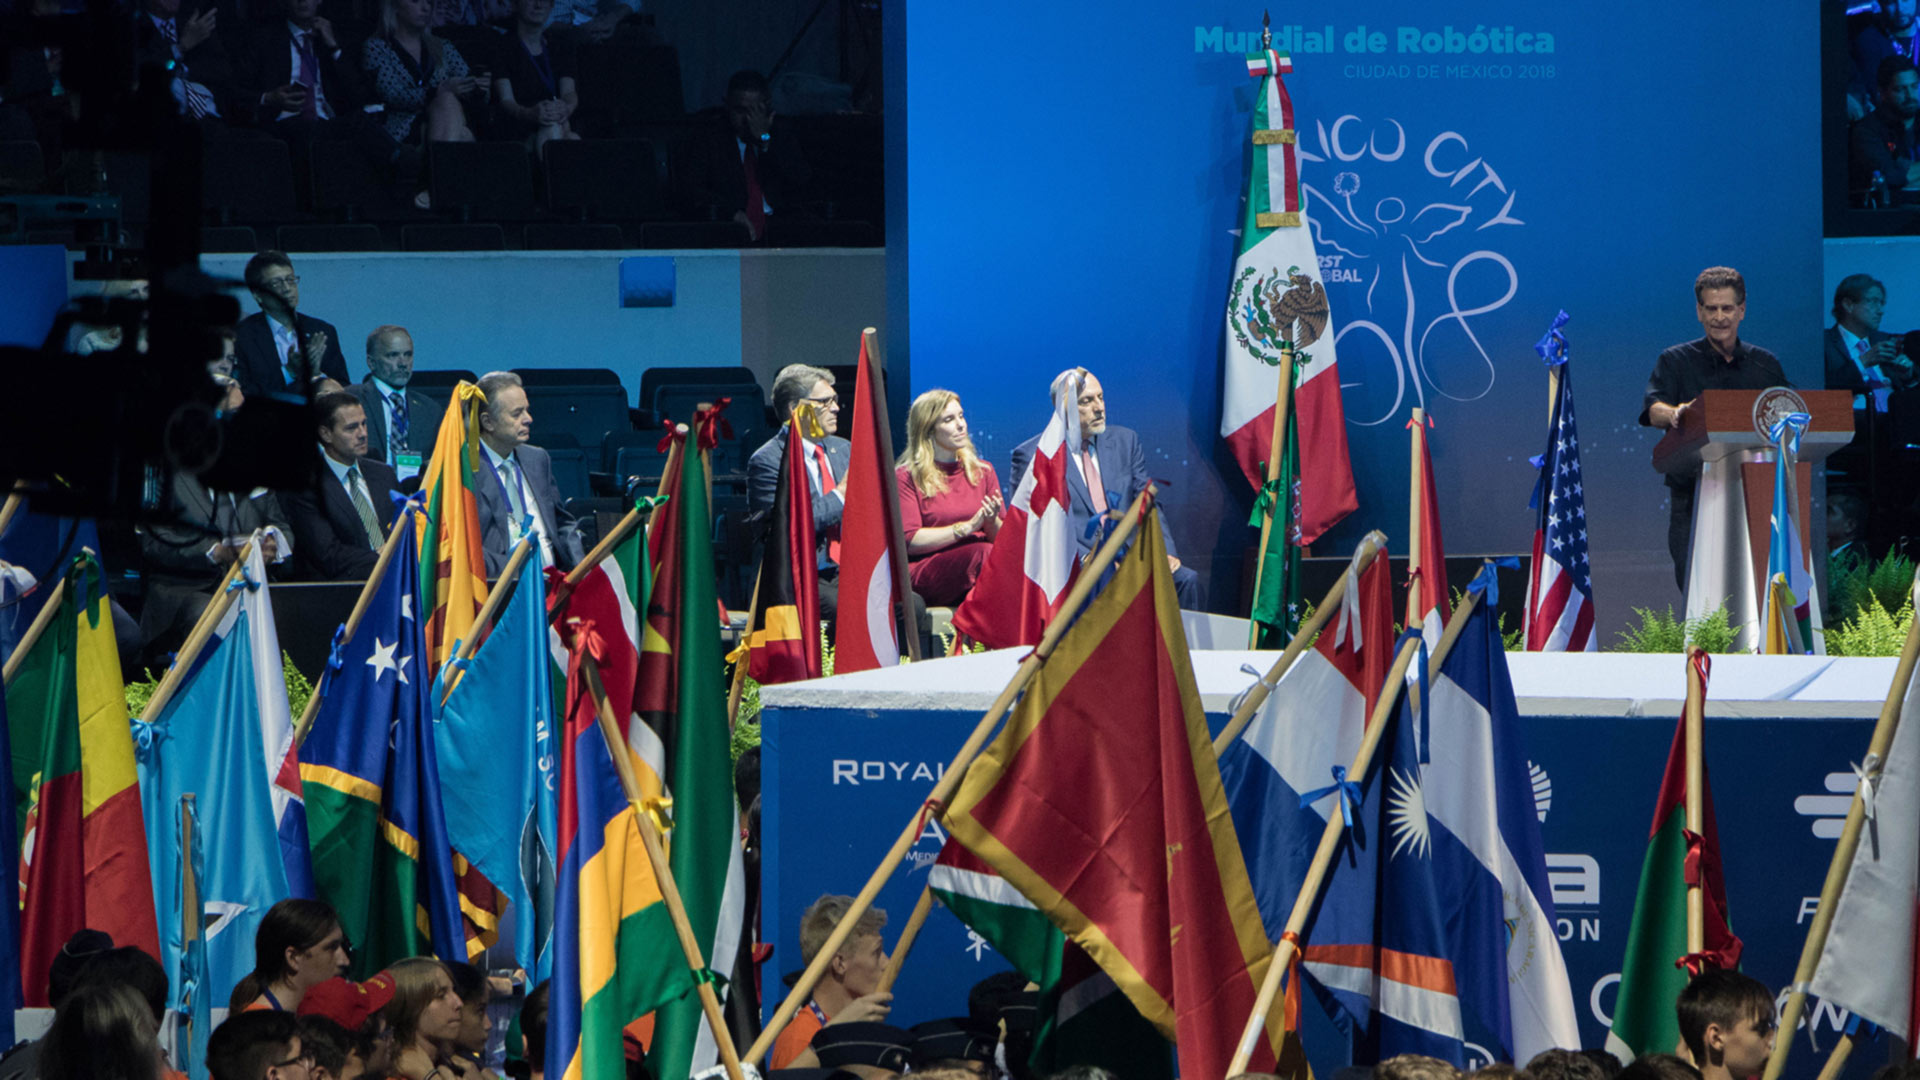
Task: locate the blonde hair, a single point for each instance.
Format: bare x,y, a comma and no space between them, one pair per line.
918,459
818,921
390,23
414,988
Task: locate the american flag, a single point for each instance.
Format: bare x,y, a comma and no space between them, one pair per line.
1560,592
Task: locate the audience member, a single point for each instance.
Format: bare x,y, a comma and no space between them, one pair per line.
1659,1067
22,1062
34,103
1083,1072
1105,473
296,85
186,557
533,78
1564,1065
960,1044
1499,1070
1609,1064
950,502
1415,1067
1727,1023
468,1048
102,1031
419,80
131,967
186,45
299,946
744,170
359,1009
425,1013
589,20
281,350
847,992
827,459
224,364
341,520
401,421
1846,530
515,485
1882,141
868,1050
258,1046
1861,357
90,338
332,1049
533,1030
1887,32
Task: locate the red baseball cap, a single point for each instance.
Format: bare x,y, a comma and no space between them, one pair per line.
346,1002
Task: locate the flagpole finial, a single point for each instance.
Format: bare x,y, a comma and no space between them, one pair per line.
1266,30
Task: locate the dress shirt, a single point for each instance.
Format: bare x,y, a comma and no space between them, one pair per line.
525,496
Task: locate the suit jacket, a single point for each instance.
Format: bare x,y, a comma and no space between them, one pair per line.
268,65
423,419
717,178
1123,472
207,64
329,540
257,363
180,577
495,511
1842,372
763,481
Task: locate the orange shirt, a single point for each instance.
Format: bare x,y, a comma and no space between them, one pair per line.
796,1037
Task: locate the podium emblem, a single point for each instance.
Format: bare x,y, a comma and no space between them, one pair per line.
1772,404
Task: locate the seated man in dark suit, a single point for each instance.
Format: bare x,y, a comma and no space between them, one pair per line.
340,521
1106,472
514,486
279,350
1871,364
399,420
745,170
184,559
186,44
298,84
826,469
1883,140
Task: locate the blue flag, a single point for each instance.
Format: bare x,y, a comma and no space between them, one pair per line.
498,766
196,991
208,742
372,785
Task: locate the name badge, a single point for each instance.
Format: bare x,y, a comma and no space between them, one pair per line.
407,463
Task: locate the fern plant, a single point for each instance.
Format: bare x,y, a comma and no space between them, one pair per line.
299,690
1663,632
1873,631
1854,582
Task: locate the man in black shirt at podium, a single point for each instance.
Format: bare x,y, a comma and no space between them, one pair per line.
1718,361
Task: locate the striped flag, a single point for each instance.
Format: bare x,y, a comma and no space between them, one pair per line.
1560,588
83,856
866,635
1790,623
1428,602
785,643
453,564
1277,297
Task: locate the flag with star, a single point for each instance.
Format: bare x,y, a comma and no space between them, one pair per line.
372,783
1560,588
1033,558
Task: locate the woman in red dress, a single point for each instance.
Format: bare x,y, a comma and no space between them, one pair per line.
949,500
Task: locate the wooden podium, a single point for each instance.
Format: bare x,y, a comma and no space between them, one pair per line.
1723,439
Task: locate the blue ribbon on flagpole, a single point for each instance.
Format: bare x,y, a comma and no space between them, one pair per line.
1488,580
243,580
1553,346
1348,791
336,649
1790,427
1420,664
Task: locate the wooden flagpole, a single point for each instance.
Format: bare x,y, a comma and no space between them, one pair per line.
662,872
950,780
202,633
1317,871
908,934
557,603
896,535
1416,491
738,687
14,500
28,640
1282,416
359,612
660,489
1836,1061
483,619
1370,546
1842,864
1696,799
189,905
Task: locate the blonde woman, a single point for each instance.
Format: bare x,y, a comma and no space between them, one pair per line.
950,503
419,80
425,1016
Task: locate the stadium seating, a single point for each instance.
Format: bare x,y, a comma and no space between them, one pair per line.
360,237
605,180
247,180
481,181
473,236
22,166
572,236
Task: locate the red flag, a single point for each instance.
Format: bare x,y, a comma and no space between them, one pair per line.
785,643
866,635
1114,822
1034,557
1427,598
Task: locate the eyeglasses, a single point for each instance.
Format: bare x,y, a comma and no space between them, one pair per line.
287,281
302,1056
831,401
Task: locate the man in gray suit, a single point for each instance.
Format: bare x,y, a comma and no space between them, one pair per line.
184,559
826,470
399,420
514,485
1105,473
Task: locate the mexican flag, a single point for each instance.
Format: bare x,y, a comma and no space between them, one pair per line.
1277,297
1276,599
1084,1018
1651,976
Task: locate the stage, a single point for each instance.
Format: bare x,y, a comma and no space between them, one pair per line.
848,760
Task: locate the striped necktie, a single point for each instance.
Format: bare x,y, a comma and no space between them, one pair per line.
357,491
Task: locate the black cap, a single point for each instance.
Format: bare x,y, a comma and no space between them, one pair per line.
956,1039
882,1046
1021,1013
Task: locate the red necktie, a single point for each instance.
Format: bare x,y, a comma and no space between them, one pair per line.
826,488
756,202
1095,490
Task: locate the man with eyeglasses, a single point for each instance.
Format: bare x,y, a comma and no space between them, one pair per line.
827,459
279,350
259,1045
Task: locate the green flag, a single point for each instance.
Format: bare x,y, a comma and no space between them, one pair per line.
1276,603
